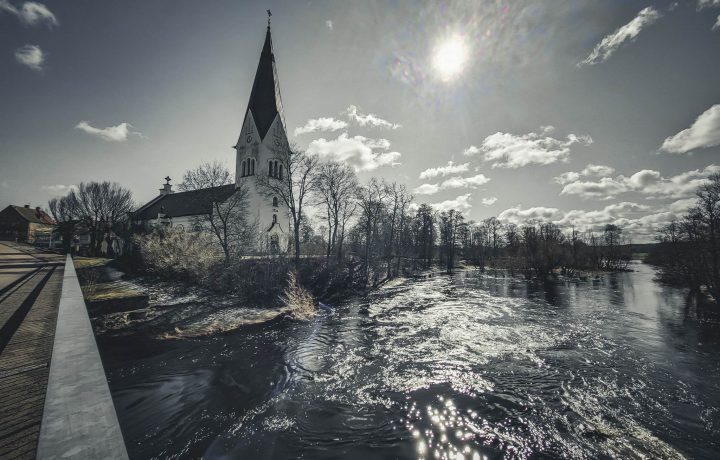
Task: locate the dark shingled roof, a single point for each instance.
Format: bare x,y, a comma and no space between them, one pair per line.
37,216
265,100
192,203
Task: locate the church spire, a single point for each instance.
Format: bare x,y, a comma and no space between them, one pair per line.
265,101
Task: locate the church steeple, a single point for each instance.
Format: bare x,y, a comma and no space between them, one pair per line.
265,102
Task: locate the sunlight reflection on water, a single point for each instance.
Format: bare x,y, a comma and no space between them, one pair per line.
469,366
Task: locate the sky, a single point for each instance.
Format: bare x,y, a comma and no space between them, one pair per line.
579,112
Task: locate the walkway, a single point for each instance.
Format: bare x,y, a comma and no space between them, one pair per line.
54,397
30,285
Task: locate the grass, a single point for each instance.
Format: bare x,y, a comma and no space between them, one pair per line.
89,262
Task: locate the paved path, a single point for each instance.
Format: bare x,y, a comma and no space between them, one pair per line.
30,286
79,420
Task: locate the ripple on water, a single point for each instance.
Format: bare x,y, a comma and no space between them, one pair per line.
468,366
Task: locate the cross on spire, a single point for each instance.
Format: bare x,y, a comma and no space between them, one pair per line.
269,16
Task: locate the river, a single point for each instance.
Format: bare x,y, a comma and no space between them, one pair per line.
465,366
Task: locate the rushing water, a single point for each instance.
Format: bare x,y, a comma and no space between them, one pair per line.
464,366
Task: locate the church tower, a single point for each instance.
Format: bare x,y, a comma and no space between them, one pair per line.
261,146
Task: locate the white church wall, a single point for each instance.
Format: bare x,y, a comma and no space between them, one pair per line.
260,205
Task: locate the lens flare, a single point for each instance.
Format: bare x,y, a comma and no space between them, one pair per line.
449,58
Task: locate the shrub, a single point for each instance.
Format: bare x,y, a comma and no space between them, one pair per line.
175,253
298,300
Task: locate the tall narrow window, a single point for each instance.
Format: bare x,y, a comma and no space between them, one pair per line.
275,202
280,174
243,170
252,167
270,168
274,218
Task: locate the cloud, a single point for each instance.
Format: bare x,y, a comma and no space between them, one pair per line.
321,124
631,217
518,215
58,189
597,170
507,150
605,188
708,3
358,151
703,133
329,24
489,200
647,181
589,171
682,205
31,56
117,133
369,119
628,32
450,168
452,183
471,151
31,13
461,203
426,189
716,26
596,220
465,182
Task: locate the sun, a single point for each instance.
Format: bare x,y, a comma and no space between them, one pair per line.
449,58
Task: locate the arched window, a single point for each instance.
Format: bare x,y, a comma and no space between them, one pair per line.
275,202
270,166
280,174
252,167
243,170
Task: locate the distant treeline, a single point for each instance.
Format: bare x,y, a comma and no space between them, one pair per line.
688,250
360,235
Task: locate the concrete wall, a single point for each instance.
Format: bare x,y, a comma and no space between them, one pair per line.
79,419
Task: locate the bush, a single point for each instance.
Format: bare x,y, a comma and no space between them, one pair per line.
177,254
298,300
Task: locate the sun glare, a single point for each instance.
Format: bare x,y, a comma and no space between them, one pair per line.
449,58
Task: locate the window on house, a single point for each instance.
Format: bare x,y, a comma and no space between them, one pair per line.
275,202
252,167
280,175
274,218
270,168
243,170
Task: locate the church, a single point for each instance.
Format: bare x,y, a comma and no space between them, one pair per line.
260,148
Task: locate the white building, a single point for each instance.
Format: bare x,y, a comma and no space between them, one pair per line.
259,149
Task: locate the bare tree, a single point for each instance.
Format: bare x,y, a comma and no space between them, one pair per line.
293,188
225,206
66,214
336,186
99,205
452,226
399,199
371,202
